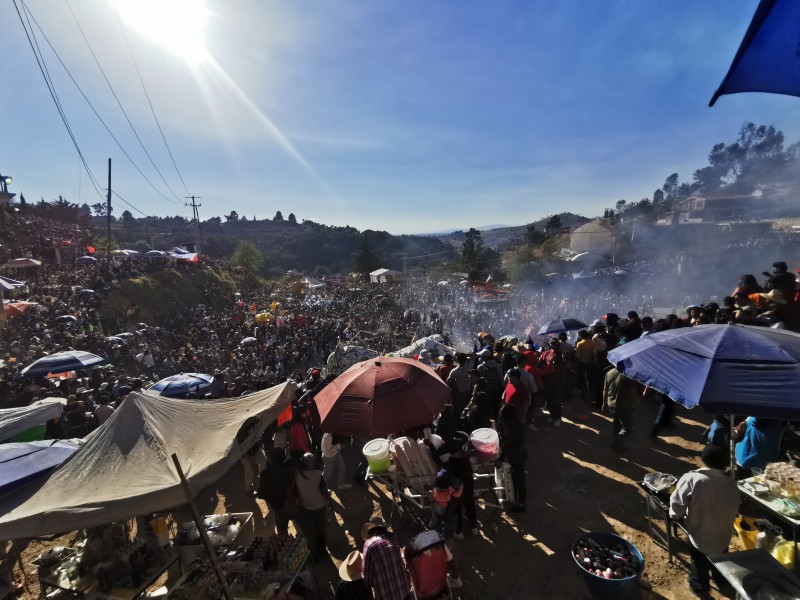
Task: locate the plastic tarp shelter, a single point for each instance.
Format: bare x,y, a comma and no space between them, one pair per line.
22,263
125,469
14,421
24,461
432,342
314,284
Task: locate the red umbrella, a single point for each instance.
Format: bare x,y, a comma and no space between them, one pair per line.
381,396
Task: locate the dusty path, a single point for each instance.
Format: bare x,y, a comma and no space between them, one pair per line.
576,484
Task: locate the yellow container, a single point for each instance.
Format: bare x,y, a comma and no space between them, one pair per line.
748,538
783,552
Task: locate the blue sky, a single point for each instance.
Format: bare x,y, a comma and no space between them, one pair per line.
406,116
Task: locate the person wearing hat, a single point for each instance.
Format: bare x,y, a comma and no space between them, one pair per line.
706,501
352,586
383,566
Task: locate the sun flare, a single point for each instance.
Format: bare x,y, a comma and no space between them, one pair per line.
178,26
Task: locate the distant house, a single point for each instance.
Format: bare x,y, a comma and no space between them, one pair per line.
595,236
385,276
713,208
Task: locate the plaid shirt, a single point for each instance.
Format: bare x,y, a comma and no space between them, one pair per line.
384,569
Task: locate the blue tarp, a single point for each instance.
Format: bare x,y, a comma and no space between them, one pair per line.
724,369
21,462
767,59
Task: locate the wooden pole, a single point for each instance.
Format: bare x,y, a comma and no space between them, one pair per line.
733,448
201,529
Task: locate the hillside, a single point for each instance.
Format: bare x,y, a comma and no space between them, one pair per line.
307,246
160,296
503,238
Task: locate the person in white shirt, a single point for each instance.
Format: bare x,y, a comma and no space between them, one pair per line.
333,463
104,410
707,502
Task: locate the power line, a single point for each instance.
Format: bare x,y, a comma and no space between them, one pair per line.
119,103
141,80
64,66
51,88
128,203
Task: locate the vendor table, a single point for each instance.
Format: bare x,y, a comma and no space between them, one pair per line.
766,503
83,586
756,574
657,505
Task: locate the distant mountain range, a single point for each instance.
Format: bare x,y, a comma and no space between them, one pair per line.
502,236
449,231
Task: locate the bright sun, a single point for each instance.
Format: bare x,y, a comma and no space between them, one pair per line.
178,26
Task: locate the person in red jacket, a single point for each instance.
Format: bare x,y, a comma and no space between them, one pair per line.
553,362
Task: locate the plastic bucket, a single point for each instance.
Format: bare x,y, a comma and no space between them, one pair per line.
610,589
486,443
748,537
377,454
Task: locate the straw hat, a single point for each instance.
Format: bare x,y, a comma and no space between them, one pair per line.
374,523
350,569
774,296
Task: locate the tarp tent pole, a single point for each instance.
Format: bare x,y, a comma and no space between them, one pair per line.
201,529
733,449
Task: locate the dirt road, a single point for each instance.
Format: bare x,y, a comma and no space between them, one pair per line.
576,483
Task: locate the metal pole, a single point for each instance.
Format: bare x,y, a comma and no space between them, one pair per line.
200,528
733,449
108,211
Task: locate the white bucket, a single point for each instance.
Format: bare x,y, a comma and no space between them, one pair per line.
377,454
486,443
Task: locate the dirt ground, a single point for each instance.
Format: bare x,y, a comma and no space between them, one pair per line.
576,483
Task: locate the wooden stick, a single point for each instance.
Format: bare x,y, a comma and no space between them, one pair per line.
201,529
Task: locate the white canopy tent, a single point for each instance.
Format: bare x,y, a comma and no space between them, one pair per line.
14,421
314,284
384,276
432,342
124,468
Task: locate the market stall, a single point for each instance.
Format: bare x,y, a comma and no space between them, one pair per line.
406,470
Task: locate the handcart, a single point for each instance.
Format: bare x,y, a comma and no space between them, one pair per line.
410,495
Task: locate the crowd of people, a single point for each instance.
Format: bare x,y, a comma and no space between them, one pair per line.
502,375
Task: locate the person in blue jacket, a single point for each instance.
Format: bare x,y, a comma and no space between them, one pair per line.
760,443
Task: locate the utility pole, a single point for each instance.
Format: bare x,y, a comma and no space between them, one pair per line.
198,239
108,213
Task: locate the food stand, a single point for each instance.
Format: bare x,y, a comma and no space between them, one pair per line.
110,563
776,493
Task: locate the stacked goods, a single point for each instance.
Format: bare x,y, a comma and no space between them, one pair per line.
413,458
786,476
606,560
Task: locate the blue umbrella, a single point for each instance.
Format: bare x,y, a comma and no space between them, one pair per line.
767,57
72,360
177,386
87,293
560,325
85,260
723,369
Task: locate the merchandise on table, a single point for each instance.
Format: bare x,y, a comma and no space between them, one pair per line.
253,571
221,530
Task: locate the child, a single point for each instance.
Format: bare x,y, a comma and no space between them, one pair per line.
446,500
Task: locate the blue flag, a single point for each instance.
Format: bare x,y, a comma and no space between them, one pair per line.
768,59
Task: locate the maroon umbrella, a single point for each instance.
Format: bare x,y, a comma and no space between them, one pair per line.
381,396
